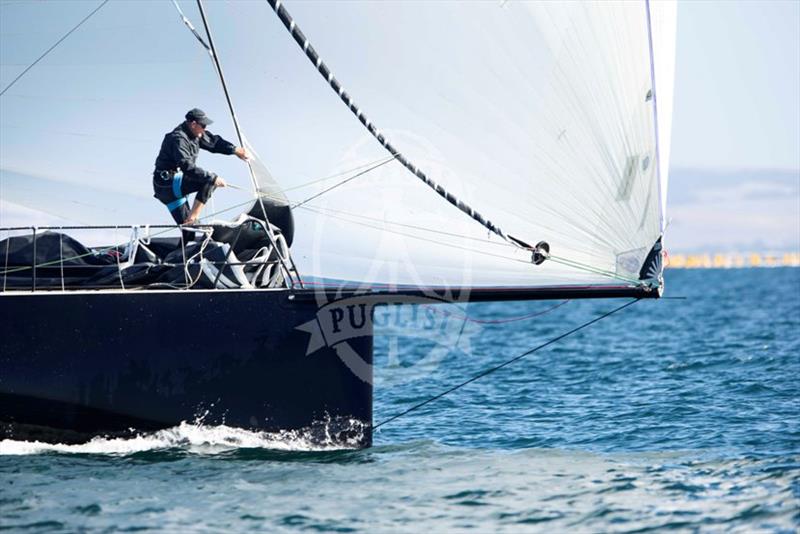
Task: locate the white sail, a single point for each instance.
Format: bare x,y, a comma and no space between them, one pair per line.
541,116
663,17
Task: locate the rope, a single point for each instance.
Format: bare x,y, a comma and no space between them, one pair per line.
29,67
372,166
420,238
189,25
332,176
482,240
569,263
590,269
365,171
504,364
326,73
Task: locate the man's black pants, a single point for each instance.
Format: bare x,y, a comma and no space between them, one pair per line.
173,188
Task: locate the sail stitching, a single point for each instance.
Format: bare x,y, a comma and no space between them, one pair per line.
654,95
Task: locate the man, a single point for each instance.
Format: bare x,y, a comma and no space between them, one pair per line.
176,174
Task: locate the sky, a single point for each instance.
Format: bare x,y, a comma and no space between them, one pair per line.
737,83
735,176
736,121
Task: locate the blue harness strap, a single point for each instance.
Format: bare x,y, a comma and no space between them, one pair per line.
176,204
177,180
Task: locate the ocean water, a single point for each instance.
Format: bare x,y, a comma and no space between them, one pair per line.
671,414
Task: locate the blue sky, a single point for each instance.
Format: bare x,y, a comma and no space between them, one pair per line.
736,104
735,177
737,84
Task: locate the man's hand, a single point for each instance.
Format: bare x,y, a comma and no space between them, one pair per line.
219,182
191,219
241,153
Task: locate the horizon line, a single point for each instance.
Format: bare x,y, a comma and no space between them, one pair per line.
728,170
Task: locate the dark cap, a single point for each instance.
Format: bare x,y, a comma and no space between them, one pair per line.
199,116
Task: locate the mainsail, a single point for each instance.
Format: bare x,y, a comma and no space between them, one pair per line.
550,119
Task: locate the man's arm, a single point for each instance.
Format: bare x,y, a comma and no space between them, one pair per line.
218,145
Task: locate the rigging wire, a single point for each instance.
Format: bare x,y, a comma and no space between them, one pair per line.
29,67
504,364
332,176
189,25
415,227
331,188
420,238
51,131
569,263
590,269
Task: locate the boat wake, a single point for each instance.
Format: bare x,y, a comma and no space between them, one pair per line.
198,438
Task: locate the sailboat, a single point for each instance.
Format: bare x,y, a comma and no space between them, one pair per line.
462,152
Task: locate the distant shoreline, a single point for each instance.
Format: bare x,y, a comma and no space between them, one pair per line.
729,260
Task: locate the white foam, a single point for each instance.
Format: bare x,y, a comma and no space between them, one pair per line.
197,438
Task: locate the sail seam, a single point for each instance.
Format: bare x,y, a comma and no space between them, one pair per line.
655,115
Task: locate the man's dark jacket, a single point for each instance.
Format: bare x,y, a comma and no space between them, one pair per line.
179,151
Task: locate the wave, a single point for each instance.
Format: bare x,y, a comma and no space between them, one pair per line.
198,438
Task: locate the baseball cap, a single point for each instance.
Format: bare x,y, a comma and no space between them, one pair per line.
199,116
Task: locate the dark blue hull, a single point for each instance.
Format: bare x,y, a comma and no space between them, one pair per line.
76,365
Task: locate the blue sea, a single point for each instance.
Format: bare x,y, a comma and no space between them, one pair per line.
677,414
